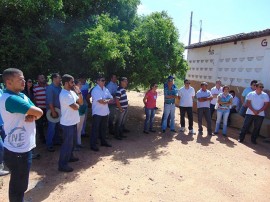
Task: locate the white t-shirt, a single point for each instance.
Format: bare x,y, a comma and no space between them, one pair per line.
216,91
186,96
69,116
98,94
257,102
20,135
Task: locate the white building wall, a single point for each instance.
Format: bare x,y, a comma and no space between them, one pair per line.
234,64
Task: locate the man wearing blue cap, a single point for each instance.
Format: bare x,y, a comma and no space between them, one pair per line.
170,93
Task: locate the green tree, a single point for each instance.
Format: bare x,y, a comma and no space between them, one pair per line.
156,51
89,36
102,47
23,42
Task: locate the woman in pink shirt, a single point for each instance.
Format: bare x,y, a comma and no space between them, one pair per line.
150,100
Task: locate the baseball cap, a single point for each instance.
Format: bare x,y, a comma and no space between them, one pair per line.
170,77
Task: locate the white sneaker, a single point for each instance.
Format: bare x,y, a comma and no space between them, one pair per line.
2,171
192,132
182,129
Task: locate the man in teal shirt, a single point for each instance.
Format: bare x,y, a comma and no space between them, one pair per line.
2,135
19,115
170,93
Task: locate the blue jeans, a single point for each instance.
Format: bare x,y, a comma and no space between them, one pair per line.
249,119
169,109
243,111
225,114
52,133
85,118
99,126
2,134
19,166
120,121
149,119
204,111
69,141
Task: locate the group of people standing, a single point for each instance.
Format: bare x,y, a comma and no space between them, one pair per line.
24,108
218,98
65,101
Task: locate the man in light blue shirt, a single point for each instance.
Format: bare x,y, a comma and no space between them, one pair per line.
112,87
100,110
52,102
246,91
204,97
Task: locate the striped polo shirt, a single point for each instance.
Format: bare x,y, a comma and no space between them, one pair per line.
40,96
122,97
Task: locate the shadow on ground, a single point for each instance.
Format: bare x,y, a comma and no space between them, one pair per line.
136,145
151,145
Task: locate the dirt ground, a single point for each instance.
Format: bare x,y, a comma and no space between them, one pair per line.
155,167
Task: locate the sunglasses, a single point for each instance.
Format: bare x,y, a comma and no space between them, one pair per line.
262,87
102,80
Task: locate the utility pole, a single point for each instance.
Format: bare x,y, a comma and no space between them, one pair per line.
190,28
200,31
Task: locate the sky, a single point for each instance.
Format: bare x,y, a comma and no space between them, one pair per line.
219,18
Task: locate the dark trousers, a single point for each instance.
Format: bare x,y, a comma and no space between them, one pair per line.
183,111
204,111
19,166
112,108
249,119
69,141
212,110
40,123
232,111
99,126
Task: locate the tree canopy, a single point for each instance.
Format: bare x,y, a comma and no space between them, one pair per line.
90,37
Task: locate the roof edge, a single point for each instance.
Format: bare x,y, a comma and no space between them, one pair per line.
231,38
